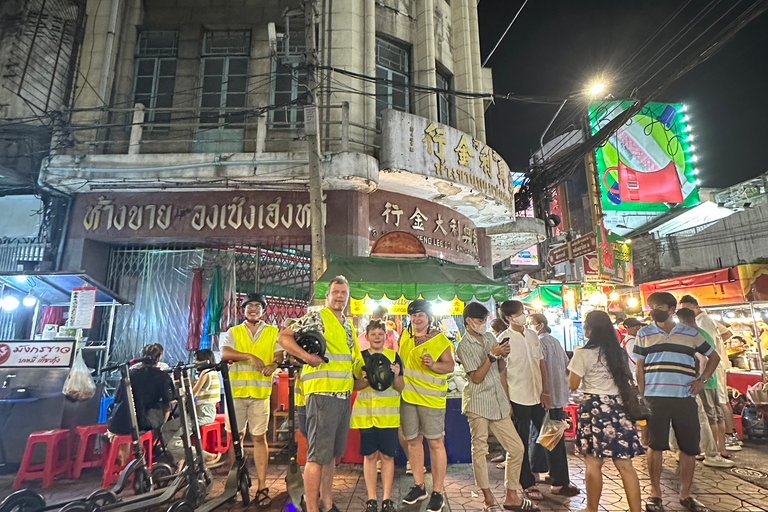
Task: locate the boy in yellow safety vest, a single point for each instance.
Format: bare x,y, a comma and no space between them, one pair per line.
377,415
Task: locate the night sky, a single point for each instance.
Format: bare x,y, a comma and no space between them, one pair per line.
557,46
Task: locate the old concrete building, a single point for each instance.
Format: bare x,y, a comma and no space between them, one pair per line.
188,131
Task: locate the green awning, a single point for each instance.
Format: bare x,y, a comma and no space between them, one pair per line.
396,277
549,295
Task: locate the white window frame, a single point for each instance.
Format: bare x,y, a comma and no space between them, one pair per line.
391,73
226,57
160,55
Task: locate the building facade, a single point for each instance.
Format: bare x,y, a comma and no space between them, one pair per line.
188,133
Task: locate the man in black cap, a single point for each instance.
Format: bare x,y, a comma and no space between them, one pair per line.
252,345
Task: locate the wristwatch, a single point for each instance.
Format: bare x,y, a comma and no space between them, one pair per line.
492,358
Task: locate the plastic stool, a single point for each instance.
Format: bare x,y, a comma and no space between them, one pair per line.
221,418
210,437
109,453
54,463
85,457
738,426
572,411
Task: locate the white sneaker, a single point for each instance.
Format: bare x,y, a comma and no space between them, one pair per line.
732,444
718,462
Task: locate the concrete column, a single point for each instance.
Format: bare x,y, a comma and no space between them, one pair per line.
424,59
462,59
477,74
349,237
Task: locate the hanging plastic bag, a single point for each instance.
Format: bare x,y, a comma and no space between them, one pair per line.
551,432
79,384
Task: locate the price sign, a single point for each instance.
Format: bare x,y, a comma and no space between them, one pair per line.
82,306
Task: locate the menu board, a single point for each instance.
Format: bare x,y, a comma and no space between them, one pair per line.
82,306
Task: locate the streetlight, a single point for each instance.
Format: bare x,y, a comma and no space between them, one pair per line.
596,88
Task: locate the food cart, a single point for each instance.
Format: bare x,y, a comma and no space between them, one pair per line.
389,281
735,295
35,359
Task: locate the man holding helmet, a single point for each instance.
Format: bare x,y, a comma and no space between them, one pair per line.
426,354
327,383
253,348
376,413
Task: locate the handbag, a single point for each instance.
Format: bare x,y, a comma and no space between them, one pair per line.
637,407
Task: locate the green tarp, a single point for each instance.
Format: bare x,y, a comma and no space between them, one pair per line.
396,277
549,295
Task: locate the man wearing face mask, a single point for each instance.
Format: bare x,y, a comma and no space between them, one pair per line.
527,384
666,376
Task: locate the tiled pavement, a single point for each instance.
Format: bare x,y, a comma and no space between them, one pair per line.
719,490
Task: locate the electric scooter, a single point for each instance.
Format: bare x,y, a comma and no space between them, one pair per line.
238,478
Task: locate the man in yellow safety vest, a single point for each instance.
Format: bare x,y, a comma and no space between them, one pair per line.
427,356
377,415
252,345
327,390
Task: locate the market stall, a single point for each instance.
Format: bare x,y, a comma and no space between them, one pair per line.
43,330
394,282
738,297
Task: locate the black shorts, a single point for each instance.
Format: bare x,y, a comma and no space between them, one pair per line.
683,414
375,439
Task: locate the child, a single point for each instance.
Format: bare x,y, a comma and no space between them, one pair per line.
378,431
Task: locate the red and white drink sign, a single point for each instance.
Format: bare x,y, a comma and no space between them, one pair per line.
36,354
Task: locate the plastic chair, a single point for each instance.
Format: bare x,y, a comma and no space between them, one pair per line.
738,426
54,463
85,457
109,453
211,438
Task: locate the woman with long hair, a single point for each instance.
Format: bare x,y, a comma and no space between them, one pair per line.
604,430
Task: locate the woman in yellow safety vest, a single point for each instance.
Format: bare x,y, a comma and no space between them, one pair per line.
377,415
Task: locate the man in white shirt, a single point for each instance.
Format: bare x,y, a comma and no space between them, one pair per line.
527,384
719,334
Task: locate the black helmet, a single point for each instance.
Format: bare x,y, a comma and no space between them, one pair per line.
255,297
420,306
313,342
379,372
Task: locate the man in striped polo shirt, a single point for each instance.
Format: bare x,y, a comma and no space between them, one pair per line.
667,377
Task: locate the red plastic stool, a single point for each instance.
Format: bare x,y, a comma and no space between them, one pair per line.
221,418
109,453
86,443
572,410
210,437
738,426
54,463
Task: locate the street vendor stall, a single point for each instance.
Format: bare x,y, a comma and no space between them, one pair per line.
737,296
41,345
560,303
395,280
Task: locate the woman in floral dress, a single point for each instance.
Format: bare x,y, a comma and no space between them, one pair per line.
604,430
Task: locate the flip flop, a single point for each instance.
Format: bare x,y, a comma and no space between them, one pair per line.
262,498
569,491
694,505
654,504
533,493
526,506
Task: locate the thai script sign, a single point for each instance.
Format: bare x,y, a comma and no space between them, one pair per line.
51,354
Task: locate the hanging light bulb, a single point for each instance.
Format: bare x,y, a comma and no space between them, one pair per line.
9,303
613,296
632,302
29,300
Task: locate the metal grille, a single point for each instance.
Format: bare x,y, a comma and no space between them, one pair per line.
41,63
11,252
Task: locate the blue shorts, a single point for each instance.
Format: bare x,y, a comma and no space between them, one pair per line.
376,439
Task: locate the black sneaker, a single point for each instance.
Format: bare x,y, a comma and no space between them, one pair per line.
435,502
415,494
371,506
388,506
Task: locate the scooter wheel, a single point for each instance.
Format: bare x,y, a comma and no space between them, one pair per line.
101,497
24,500
161,474
244,485
181,506
142,483
77,506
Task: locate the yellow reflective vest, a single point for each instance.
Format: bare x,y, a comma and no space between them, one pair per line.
422,385
373,408
247,382
335,376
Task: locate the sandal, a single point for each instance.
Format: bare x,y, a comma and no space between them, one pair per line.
569,491
693,505
533,493
654,504
492,508
526,506
262,498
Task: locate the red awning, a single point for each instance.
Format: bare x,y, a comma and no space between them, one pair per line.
715,287
722,276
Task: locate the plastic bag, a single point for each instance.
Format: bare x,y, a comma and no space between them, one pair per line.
79,384
551,432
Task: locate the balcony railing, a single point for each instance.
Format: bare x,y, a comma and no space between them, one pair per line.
222,130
